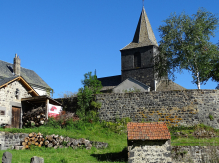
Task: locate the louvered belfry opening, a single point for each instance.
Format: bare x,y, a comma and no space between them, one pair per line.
137,60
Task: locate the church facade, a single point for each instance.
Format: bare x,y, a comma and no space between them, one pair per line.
137,62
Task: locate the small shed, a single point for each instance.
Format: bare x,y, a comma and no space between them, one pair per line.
148,142
45,101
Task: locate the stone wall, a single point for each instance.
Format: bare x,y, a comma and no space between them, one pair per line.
149,151
187,107
10,140
8,99
195,154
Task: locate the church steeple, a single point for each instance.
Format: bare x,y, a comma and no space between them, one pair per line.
144,35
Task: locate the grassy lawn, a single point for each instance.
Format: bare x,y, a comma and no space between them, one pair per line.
94,132
186,136
115,152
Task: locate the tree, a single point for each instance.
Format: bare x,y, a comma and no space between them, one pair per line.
214,73
186,45
86,94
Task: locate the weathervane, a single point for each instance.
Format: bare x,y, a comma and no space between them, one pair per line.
143,3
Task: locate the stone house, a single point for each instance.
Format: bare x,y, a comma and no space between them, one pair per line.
8,70
137,61
11,91
148,142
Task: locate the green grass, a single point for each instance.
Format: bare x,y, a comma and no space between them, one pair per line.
115,152
191,140
105,132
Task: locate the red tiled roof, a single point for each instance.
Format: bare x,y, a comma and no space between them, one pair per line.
148,131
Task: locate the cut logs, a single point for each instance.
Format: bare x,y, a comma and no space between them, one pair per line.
33,139
56,141
35,117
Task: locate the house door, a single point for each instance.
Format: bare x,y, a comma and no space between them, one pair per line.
16,117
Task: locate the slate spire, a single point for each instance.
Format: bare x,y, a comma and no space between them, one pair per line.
144,35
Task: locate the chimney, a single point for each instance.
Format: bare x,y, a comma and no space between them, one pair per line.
17,65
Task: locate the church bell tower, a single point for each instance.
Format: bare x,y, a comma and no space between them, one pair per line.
137,57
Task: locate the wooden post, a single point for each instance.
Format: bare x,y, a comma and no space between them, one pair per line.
47,108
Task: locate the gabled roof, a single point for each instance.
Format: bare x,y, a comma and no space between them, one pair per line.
144,35
129,83
29,75
148,131
110,82
135,81
168,85
4,82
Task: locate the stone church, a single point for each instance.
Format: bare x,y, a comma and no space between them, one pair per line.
137,65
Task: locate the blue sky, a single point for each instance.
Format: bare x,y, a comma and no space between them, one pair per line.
63,40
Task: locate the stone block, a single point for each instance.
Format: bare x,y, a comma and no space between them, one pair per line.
36,159
7,157
18,147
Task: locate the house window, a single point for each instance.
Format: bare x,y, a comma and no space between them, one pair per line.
2,112
137,60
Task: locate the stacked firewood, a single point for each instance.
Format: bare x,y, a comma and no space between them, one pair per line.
33,139
57,141
35,117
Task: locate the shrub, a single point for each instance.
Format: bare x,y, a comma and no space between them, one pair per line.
86,98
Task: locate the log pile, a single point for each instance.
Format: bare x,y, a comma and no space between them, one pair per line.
35,117
33,139
57,141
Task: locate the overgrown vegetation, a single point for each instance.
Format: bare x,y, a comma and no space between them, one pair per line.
211,117
49,92
86,96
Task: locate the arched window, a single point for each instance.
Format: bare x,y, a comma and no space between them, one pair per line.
137,59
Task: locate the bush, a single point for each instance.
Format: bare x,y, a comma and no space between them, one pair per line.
120,126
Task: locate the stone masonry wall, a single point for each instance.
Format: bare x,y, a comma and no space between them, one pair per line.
9,140
188,107
8,99
195,154
150,151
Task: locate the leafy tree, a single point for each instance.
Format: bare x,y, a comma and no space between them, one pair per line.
86,94
92,83
214,74
186,45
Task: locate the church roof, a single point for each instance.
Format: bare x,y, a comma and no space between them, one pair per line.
144,35
6,71
168,85
110,82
